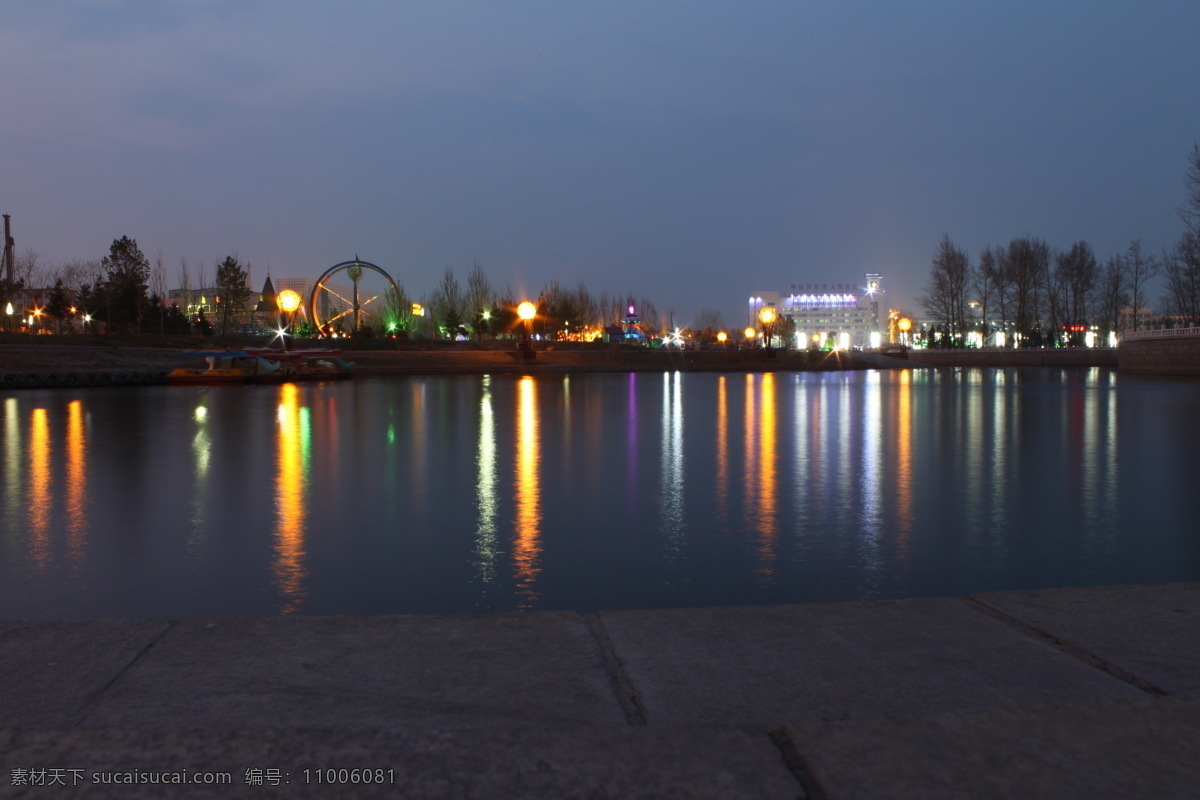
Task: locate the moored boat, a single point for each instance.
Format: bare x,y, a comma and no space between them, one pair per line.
315,364
227,367
261,365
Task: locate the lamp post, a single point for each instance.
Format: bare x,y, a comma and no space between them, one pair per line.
526,311
721,337
767,318
288,301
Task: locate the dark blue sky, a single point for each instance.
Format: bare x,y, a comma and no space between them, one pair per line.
690,152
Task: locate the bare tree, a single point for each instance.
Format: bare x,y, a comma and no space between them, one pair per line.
993,263
1076,273
1025,262
708,322
945,297
985,288
158,290
1139,270
1113,295
448,304
480,301
1181,264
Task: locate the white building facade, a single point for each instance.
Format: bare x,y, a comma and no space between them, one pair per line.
844,315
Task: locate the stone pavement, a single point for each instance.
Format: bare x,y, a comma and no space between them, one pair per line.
1067,693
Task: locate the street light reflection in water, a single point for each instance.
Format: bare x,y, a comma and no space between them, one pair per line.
478,493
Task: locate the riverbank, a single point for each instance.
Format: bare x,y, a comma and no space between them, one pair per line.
1070,693
63,359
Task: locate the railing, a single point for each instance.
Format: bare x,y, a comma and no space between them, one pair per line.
1162,333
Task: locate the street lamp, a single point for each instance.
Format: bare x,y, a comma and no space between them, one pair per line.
767,317
721,337
288,301
526,311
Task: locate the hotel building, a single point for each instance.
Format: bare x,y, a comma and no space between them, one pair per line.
848,314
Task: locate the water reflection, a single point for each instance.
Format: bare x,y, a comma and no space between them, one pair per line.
527,545
485,488
76,500
722,481
671,462
13,471
292,437
201,456
767,455
40,479
630,491
904,458
872,464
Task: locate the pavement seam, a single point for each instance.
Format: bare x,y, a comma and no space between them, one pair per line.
93,700
627,694
797,764
1070,648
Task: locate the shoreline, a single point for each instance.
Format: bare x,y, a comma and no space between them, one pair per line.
22,360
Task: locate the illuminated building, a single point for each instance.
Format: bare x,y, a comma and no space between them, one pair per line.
842,314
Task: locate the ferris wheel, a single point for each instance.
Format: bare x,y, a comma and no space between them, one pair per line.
371,291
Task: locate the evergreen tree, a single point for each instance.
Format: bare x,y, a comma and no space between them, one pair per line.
123,291
232,291
58,306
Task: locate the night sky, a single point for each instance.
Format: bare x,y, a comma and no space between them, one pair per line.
689,152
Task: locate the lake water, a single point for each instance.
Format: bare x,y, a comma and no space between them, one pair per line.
591,491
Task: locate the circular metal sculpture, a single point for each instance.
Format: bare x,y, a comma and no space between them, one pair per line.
328,304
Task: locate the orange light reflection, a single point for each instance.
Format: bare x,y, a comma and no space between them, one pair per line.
904,478
76,504
527,547
290,493
39,487
722,448
767,484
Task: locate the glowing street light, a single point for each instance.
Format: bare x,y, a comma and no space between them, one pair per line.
767,317
288,301
526,311
721,337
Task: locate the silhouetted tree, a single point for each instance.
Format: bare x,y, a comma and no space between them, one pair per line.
121,297
448,304
1078,275
1181,264
232,292
945,297
1139,270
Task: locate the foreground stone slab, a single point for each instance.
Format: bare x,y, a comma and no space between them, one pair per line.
51,672
1150,631
765,665
555,762
1138,748
366,672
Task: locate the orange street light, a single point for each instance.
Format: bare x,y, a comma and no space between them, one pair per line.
526,311
288,301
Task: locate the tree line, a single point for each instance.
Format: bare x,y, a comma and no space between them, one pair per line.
1037,295
128,294
563,312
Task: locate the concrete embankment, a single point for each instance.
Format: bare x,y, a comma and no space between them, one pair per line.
47,366
1072,693
1160,353
1029,357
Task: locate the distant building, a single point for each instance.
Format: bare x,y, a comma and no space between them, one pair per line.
846,313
